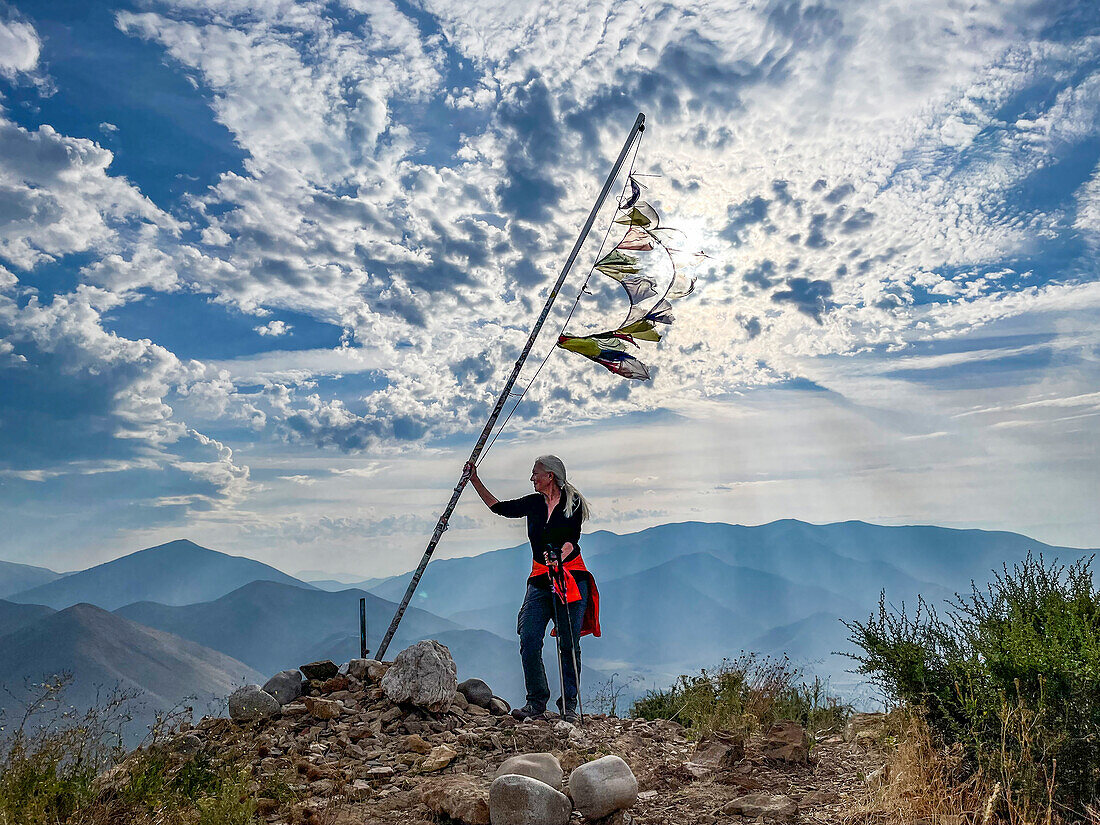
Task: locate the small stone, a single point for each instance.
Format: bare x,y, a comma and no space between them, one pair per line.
417,744
499,707
188,744
521,800
786,741
357,668
285,686
379,771
359,789
819,798
439,758
323,708
647,796
476,692
459,798
773,806
475,710
718,752
459,702
603,786
376,670
336,683
541,766
251,702
319,670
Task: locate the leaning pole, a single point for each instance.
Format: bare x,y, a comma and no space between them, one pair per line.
441,525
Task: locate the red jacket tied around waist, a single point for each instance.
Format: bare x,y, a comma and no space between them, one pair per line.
570,570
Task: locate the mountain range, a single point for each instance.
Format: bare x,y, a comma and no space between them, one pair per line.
102,652
179,572
674,598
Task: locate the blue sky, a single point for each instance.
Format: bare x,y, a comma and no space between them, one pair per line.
265,266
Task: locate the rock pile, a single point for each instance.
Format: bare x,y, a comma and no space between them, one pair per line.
404,742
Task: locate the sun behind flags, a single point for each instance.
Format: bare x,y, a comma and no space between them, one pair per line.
627,263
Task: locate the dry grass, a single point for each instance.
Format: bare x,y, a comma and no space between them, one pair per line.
923,783
742,695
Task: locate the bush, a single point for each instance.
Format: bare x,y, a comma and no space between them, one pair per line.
50,758
1011,674
49,762
742,695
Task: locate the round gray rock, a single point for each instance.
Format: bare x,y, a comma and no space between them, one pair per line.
499,707
251,702
285,686
424,675
521,800
476,692
603,786
541,766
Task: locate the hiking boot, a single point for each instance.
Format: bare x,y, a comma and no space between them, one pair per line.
569,713
528,711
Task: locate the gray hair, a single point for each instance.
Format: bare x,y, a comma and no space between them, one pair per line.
573,498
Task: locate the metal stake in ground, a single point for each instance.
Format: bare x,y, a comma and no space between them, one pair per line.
441,525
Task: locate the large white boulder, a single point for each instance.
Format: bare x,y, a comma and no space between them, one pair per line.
252,702
603,786
544,767
424,675
521,800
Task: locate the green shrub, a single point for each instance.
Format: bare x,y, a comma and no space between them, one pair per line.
742,695
1011,673
49,762
50,757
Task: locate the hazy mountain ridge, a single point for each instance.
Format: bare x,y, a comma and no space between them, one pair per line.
674,598
845,565
103,650
15,616
272,626
178,572
15,577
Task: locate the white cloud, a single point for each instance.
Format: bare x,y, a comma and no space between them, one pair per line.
20,48
273,329
59,198
860,175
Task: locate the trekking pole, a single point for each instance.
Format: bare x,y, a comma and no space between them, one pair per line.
557,625
572,647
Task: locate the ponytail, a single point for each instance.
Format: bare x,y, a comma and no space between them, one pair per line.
571,495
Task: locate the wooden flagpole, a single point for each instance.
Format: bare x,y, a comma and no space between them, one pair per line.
441,525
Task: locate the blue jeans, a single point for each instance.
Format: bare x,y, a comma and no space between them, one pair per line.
535,613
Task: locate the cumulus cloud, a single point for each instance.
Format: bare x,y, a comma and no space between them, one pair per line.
59,198
20,48
863,177
273,329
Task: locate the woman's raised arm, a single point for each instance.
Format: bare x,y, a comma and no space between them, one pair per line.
482,491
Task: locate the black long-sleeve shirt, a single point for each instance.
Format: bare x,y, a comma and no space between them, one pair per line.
542,531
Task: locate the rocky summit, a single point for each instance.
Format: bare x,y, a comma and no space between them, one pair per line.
342,752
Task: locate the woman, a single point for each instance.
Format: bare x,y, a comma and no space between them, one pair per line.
554,513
